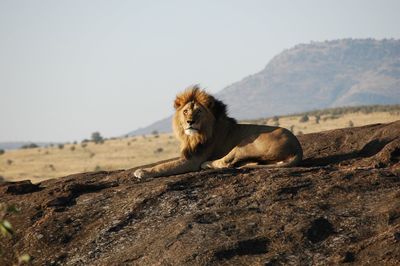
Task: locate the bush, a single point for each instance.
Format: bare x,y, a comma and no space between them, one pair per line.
97,168
97,138
317,118
159,150
7,230
29,146
60,146
72,148
2,151
9,162
351,124
304,119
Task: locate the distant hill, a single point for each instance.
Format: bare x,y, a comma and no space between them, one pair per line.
18,144
318,75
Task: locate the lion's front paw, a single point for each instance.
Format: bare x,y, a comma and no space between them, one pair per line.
217,164
141,173
207,165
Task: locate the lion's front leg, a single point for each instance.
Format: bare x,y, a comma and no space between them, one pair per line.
142,173
179,166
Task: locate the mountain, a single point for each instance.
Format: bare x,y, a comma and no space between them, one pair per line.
19,144
341,206
318,75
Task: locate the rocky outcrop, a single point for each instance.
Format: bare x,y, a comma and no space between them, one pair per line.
342,205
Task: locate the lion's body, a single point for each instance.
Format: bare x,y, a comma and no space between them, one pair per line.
210,139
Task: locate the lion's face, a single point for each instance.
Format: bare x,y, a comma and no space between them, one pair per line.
195,119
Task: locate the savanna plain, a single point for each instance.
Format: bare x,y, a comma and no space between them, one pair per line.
38,164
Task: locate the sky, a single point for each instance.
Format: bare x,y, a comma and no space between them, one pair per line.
70,68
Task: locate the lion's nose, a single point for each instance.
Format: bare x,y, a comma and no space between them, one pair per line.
190,122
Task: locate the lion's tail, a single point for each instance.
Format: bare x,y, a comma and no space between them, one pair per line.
292,161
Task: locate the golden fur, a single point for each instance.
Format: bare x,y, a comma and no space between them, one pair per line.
211,139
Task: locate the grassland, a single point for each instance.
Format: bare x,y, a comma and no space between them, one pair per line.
38,164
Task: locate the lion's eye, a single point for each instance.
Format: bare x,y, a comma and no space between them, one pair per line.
185,112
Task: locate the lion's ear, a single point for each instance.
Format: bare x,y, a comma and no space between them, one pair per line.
218,108
177,103
210,103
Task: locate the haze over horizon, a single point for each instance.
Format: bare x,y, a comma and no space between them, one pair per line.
70,68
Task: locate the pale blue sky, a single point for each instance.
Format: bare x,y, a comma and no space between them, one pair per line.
69,68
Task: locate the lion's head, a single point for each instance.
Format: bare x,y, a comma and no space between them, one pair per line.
195,118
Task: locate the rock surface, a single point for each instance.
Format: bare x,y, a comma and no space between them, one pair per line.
342,205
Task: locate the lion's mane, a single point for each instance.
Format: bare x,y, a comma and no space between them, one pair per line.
216,112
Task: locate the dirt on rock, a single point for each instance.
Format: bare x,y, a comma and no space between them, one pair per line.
342,205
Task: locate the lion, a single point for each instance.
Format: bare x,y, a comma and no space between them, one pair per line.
212,140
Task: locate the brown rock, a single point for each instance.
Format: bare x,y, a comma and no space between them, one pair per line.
345,196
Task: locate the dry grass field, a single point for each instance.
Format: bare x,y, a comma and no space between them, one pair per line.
38,164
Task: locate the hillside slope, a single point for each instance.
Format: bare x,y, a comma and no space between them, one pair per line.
313,76
320,75
341,205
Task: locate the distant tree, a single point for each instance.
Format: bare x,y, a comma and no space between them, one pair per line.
2,151
60,146
154,132
75,142
317,118
29,146
159,150
275,119
304,119
97,138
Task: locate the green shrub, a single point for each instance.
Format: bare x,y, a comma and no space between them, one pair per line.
159,150
7,229
97,138
317,118
29,146
304,119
